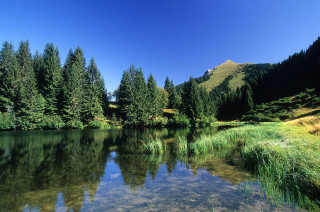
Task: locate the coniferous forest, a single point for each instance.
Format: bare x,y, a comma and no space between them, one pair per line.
39,92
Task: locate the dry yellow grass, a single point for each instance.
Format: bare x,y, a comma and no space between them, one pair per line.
310,123
172,111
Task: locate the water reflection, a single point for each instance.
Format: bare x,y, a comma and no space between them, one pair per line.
92,170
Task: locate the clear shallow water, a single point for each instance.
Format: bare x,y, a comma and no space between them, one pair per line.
100,170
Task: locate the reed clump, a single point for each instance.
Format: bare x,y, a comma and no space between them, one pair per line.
285,155
154,146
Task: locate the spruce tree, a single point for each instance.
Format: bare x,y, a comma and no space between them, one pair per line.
247,101
173,97
38,66
140,103
208,104
193,105
30,104
98,85
167,85
51,82
9,76
93,93
74,71
125,97
155,106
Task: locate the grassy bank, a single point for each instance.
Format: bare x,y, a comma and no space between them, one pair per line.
284,155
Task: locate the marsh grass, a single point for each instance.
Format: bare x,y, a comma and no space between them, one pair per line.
284,157
154,146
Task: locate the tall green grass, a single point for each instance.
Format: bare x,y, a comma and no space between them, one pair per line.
280,155
154,146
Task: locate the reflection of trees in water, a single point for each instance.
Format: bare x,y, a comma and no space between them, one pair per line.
37,166
36,170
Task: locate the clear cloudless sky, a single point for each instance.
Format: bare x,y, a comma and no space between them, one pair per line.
175,38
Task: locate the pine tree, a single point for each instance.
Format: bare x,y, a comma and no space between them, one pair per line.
93,93
140,103
193,105
38,66
30,104
173,99
155,106
167,85
51,82
9,73
74,72
208,104
97,82
247,101
133,97
125,97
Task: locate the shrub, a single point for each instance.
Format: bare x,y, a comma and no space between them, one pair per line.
52,122
97,124
24,124
74,124
7,121
179,120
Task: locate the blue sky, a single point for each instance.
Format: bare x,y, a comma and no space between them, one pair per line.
175,38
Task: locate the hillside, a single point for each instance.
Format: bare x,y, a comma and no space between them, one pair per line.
221,72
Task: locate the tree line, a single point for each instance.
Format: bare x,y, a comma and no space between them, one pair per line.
36,92
141,102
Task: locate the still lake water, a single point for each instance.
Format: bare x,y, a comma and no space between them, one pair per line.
100,170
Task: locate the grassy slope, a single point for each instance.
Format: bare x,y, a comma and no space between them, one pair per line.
221,72
303,104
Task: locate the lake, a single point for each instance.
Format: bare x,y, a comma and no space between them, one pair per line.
102,170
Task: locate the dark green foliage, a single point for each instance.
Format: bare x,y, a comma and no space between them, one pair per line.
52,122
192,103
50,78
295,74
172,93
283,108
7,121
29,102
155,105
97,124
36,93
9,76
179,120
209,107
133,97
97,85
74,124
125,97
94,98
74,89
